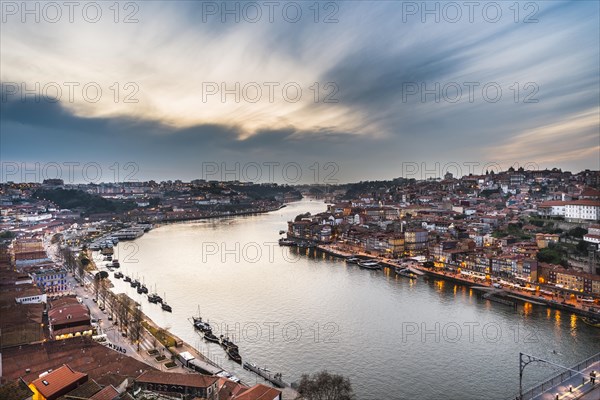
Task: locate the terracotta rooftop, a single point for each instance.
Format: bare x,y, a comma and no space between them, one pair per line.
189,380
259,392
108,393
58,380
584,203
229,389
105,366
67,309
552,203
86,390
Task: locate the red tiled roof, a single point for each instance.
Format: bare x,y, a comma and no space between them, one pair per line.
584,203
259,392
590,192
108,393
553,203
67,309
229,389
57,380
189,380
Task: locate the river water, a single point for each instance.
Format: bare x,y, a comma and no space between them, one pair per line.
300,311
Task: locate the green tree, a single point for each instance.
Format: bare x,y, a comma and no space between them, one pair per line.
582,247
549,255
7,235
577,232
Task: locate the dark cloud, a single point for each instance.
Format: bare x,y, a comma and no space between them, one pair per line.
371,55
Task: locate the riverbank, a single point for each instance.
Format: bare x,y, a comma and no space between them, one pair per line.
467,281
336,320
157,224
157,347
175,353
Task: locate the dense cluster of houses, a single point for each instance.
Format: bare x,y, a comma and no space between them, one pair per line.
480,224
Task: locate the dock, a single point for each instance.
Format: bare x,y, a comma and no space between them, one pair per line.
493,297
275,379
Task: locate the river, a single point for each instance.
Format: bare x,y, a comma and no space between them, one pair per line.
299,312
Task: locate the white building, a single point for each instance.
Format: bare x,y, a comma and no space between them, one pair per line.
582,210
552,208
593,235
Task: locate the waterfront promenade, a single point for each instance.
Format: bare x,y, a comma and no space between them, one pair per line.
571,305
148,342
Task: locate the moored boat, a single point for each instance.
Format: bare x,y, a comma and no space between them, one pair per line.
352,260
232,352
369,264
227,344
405,272
591,321
286,242
211,337
154,298
201,325
165,306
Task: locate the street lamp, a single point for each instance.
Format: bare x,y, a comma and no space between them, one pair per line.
526,359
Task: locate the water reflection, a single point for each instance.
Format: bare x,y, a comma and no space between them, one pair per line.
370,310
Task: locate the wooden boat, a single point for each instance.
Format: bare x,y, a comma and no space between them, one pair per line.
369,264
232,352
208,335
591,321
165,306
406,273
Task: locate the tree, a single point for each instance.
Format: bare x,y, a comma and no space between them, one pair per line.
124,311
136,327
549,255
582,247
325,386
68,258
103,292
577,232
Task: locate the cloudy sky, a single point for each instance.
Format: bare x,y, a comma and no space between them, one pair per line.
296,91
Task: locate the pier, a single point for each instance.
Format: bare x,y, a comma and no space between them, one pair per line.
275,379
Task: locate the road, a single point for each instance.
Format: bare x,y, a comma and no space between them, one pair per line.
115,339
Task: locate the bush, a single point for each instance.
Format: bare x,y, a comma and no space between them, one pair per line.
577,232
549,255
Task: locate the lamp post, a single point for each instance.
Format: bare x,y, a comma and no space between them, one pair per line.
526,359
